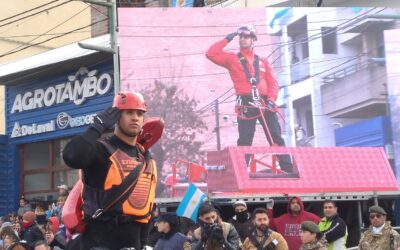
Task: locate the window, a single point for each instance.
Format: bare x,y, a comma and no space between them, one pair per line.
329,40
380,44
304,48
43,169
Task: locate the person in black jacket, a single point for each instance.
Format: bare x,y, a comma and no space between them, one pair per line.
333,227
31,232
242,220
118,174
168,226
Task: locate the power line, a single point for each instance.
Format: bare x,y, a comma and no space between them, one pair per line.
52,38
334,29
58,25
320,35
304,40
24,12
44,34
36,13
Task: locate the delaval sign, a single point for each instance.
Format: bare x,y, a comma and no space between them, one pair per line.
79,87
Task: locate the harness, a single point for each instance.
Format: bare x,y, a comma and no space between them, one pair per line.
106,204
253,80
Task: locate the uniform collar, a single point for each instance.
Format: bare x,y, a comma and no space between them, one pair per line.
247,53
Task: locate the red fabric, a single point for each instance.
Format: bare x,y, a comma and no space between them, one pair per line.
268,85
26,224
290,226
56,224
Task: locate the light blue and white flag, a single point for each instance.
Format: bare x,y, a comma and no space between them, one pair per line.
189,206
182,3
277,16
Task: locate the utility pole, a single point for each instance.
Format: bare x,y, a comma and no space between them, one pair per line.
112,17
217,132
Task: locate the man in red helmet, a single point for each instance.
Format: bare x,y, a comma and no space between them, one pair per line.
118,174
255,87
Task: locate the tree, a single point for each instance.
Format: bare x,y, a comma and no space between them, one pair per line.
182,124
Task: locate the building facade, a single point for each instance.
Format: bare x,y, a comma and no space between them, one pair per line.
45,107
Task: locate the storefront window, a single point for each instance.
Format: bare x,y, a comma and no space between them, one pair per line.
37,155
43,169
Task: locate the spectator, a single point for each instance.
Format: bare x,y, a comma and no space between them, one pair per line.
17,229
48,211
53,235
289,224
333,227
213,233
31,232
13,217
311,237
8,236
24,206
42,245
58,208
242,219
167,225
154,235
380,235
263,237
19,246
40,217
63,190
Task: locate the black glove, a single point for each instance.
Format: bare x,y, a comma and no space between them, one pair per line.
217,234
106,119
204,235
231,36
271,106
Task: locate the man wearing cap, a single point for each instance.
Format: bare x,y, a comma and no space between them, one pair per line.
311,237
241,220
170,237
380,235
262,237
118,174
63,190
333,227
255,86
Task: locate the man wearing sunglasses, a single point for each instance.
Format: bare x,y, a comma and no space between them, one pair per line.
256,89
380,235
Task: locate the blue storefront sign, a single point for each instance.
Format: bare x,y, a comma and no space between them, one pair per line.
51,107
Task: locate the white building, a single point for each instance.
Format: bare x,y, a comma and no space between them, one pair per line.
333,66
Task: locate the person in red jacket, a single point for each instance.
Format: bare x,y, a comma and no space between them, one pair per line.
255,87
289,224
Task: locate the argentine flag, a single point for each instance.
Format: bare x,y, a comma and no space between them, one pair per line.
182,3
190,203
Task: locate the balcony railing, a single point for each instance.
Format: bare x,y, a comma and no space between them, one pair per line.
300,71
357,91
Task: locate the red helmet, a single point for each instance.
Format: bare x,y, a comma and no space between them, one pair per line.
130,100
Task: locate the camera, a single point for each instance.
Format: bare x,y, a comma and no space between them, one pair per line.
226,118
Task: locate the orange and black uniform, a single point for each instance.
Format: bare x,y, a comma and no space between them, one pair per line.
116,228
